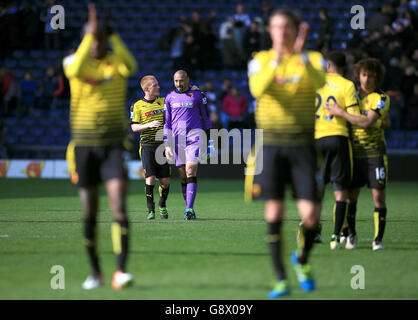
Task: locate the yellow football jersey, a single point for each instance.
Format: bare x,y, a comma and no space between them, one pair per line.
285,94
338,90
98,93
368,143
144,111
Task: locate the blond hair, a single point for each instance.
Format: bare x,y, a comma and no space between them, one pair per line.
146,80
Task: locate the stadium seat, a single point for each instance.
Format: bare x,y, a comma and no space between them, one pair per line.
28,139
47,140
55,131
11,122
11,139
37,131
28,122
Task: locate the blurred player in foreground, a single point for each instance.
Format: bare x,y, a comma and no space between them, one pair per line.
369,146
147,117
185,118
284,80
98,82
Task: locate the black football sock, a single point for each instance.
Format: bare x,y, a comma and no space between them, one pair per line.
120,242
275,242
379,223
90,242
340,208
163,196
149,193
305,242
184,190
351,217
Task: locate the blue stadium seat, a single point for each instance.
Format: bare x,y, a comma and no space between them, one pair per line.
10,63
55,131
28,139
18,54
37,131
47,140
28,121
46,121
11,122
36,54
19,131
11,139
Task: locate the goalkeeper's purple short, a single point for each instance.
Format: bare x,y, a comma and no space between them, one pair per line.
189,151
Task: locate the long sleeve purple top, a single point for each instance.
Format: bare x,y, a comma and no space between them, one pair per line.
184,112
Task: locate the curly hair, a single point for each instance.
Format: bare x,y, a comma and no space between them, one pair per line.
370,65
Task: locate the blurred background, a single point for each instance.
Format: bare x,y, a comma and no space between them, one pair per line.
212,39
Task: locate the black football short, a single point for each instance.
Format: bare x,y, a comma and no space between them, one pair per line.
296,166
99,163
150,165
372,172
336,161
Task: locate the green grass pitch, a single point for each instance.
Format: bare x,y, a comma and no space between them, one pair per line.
221,255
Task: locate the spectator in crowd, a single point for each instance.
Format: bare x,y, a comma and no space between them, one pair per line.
51,89
235,106
252,40
207,48
176,49
9,91
31,26
212,106
190,54
9,25
397,106
229,50
266,10
241,16
242,22
411,115
225,88
326,32
28,91
378,20
51,36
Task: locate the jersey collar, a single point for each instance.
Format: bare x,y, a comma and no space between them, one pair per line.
149,101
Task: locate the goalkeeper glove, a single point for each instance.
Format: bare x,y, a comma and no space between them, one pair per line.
210,149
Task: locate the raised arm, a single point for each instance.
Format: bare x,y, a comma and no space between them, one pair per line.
73,63
261,72
123,53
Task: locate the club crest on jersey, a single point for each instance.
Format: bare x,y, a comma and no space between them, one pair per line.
381,104
190,94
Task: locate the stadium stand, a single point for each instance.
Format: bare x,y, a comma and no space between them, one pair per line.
145,26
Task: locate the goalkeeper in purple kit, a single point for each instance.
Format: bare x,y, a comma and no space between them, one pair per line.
186,123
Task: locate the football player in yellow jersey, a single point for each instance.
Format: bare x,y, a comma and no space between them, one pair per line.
332,137
98,82
369,146
147,117
284,80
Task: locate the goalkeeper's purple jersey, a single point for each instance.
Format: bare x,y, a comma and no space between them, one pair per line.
184,112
